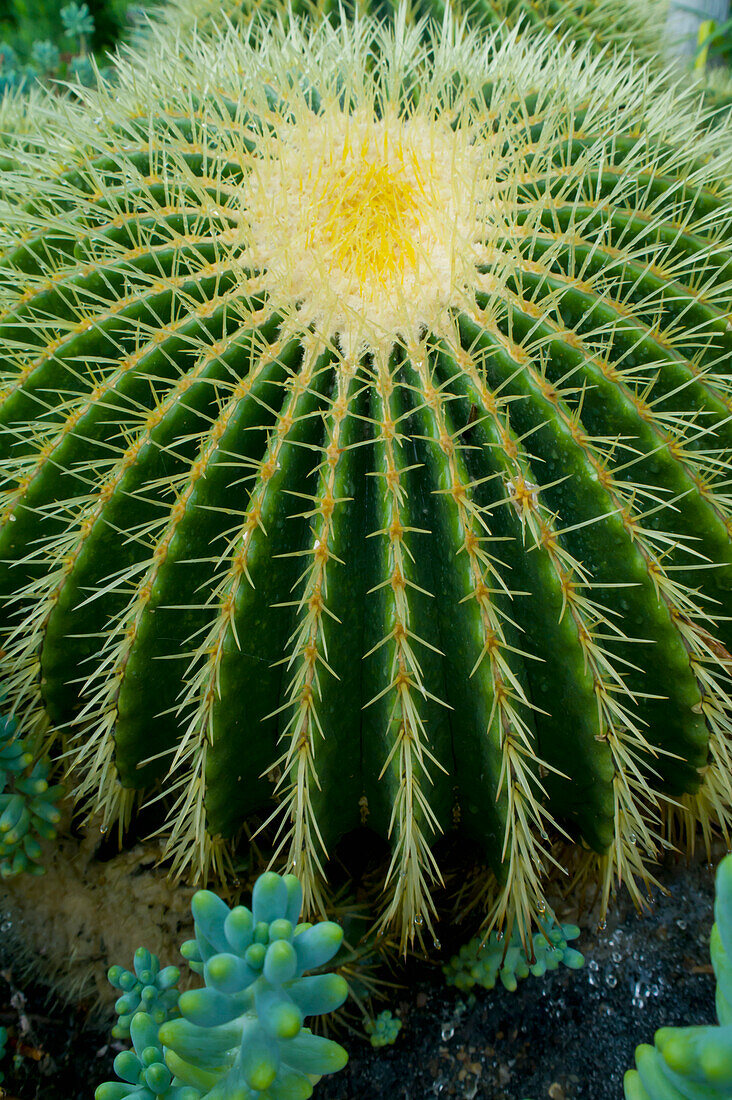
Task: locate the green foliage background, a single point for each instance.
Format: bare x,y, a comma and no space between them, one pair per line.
24,22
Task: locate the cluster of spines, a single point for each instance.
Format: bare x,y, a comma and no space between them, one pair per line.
609,24
147,988
694,1063
483,961
28,805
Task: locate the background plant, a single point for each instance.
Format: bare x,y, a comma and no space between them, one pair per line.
484,960
56,41
28,804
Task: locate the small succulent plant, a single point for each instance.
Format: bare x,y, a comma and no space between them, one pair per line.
78,22
243,1034
28,805
245,1030
483,961
142,1071
46,56
383,1030
147,988
694,1063
46,60
12,76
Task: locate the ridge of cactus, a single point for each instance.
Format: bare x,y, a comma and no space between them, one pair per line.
406,509
689,1062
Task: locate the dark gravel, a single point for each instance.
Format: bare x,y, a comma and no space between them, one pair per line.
568,1036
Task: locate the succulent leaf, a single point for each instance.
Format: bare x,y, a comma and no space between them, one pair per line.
144,1070
252,1039
485,959
383,1030
689,1062
148,989
27,803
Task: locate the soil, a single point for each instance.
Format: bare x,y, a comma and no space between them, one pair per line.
568,1036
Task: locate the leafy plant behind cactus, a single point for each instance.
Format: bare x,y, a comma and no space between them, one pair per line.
483,961
366,426
53,42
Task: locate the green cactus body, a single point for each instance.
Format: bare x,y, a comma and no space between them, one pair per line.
365,432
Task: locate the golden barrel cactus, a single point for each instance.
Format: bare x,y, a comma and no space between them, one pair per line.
365,429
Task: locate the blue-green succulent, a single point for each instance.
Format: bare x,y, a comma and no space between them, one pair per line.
46,55
694,1063
383,1030
483,960
243,1035
143,1072
149,989
28,810
77,20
